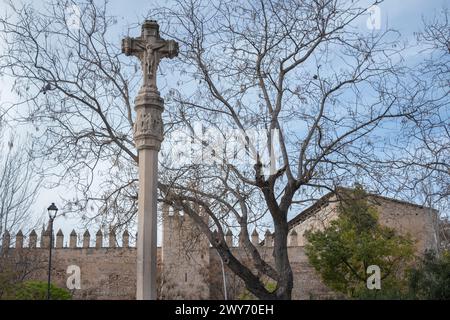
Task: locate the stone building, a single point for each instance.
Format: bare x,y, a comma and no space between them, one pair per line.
188,267
406,218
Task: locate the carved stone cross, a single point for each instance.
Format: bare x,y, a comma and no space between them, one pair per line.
150,48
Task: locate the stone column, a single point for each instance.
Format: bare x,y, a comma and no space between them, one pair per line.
149,48
148,106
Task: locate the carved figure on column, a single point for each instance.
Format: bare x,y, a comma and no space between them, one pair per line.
150,48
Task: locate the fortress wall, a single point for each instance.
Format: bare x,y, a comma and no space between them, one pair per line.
105,273
317,221
110,273
418,222
185,256
188,267
307,283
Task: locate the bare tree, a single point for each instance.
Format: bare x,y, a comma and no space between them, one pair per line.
297,69
423,164
292,100
18,186
18,266
435,132
18,190
77,96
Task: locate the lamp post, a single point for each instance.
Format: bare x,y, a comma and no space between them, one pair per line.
52,210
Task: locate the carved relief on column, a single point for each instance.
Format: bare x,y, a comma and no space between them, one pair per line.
148,122
148,127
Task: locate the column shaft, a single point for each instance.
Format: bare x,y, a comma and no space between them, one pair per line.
147,225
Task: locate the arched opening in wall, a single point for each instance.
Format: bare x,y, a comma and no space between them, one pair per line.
185,277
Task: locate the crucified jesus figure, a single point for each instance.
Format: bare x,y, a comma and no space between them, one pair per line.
150,48
151,61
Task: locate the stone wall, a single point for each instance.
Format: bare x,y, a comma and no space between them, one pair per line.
307,283
417,221
188,267
408,219
186,271
106,273
110,273
185,252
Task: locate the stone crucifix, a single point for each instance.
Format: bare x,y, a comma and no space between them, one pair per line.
149,48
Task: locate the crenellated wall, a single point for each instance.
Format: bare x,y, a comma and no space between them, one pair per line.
188,267
108,272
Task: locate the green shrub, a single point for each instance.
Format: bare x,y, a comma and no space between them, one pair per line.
431,279
37,290
342,251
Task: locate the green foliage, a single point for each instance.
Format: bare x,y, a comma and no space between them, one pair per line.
342,252
6,283
37,290
270,286
431,279
246,295
392,291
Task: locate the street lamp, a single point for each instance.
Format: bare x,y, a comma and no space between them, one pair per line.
52,210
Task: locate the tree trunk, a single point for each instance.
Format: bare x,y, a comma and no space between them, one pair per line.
282,265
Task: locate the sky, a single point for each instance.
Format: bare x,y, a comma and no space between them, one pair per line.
403,15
